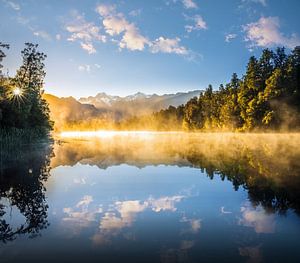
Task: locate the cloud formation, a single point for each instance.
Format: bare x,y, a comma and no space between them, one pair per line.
126,34
199,23
230,37
13,5
262,2
189,4
87,33
266,33
116,24
86,68
168,45
43,34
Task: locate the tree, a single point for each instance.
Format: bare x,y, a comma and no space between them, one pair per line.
24,106
2,55
2,79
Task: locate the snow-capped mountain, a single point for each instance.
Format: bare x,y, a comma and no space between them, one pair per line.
138,103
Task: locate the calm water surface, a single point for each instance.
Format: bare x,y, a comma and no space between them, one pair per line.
152,197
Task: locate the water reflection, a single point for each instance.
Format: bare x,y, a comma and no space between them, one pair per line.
154,198
266,165
23,207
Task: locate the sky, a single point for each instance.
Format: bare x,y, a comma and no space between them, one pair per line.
158,46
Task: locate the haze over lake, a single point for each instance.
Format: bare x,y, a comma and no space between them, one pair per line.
153,197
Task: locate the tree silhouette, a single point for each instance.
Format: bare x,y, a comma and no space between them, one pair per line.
22,185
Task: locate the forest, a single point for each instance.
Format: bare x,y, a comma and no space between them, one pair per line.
266,97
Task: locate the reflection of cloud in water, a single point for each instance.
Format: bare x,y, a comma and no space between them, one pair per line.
179,254
194,224
253,253
165,203
187,244
257,218
86,200
223,211
82,215
79,181
129,209
117,216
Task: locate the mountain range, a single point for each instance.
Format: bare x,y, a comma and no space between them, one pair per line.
66,111
138,103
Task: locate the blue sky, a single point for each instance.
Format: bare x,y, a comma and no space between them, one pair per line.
157,46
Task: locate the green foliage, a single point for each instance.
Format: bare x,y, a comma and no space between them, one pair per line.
266,97
21,102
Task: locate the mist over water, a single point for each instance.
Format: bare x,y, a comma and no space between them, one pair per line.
153,197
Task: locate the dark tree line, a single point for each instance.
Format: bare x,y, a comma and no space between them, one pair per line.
21,102
266,97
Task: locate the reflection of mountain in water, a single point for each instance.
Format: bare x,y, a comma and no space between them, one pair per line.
22,192
265,165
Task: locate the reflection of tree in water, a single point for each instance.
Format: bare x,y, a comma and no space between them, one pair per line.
21,184
269,182
266,165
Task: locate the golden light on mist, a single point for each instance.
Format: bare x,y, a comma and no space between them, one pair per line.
106,133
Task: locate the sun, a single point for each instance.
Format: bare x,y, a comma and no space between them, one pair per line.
17,92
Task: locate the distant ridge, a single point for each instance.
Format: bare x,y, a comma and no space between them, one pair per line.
106,108
138,103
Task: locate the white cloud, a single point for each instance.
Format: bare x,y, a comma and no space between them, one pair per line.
136,12
127,35
116,24
168,45
89,47
105,10
189,4
230,37
87,33
13,5
199,23
86,68
266,33
262,2
58,37
133,40
97,65
42,34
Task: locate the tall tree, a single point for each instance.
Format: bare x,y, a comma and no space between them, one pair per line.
24,106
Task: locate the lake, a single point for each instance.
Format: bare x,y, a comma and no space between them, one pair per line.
152,197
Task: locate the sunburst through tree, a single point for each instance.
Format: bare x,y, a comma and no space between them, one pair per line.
16,94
